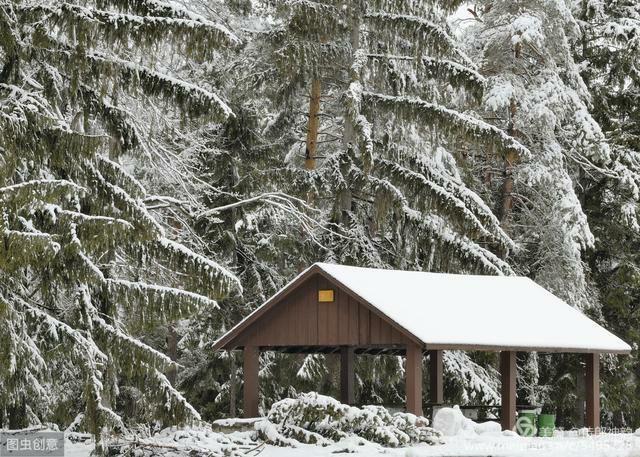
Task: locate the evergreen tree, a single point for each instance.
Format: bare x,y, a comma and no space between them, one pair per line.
354,150
537,93
86,268
609,52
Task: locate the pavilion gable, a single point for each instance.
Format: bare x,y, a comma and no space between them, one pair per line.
318,314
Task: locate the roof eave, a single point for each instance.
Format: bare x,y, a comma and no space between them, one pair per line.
498,348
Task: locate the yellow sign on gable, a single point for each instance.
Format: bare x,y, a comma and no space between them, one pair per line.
325,296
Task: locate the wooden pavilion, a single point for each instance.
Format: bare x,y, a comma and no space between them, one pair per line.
332,308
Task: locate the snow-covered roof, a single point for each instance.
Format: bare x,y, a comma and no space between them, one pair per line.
452,311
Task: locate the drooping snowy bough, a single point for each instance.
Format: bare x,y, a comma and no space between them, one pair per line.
84,264
317,419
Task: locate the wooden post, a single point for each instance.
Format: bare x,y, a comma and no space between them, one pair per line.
347,393
592,388
233,384
413,372
436,389
508,375
251,356
580,395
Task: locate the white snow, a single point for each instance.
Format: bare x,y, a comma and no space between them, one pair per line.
454,311
493,311
451,422
570,444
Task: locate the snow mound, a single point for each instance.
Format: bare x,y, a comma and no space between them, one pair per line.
451,422
316,419
178,442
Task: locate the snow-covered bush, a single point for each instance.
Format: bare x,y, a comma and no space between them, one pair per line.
317,419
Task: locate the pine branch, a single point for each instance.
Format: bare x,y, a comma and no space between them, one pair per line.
159,304
420,31
446,120
216,279
133,209
24,248
44,190
115,173
158,8
466,249
192,99
443,195
457,75
126,345
199,37
116,120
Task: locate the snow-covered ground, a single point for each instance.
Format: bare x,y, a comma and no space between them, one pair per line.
626,445
498,445
457,435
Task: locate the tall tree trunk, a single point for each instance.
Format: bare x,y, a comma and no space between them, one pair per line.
314,125
512,156
172,351
507,187
349,134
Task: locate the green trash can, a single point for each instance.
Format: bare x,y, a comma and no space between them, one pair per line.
546,424
526,423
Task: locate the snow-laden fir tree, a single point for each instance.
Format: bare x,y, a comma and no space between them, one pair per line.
609,53
248,216
364,112
86,268
536,92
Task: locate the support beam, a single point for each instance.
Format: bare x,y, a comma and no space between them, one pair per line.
347,376
413,372
592,390
251,355
436,386
508,389
580,396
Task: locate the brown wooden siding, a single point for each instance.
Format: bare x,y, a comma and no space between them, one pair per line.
299,320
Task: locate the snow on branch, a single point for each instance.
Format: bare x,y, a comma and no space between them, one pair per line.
125,180
445,195
150,303
447,120
200,36
91,227
26,248
116,120
19,106
312,18
133,209
83,348
421,31
466,249
28,120
169,9
174,402
480,384
358,121
457,75
434,227
219,280
45,190
192,99
126,344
